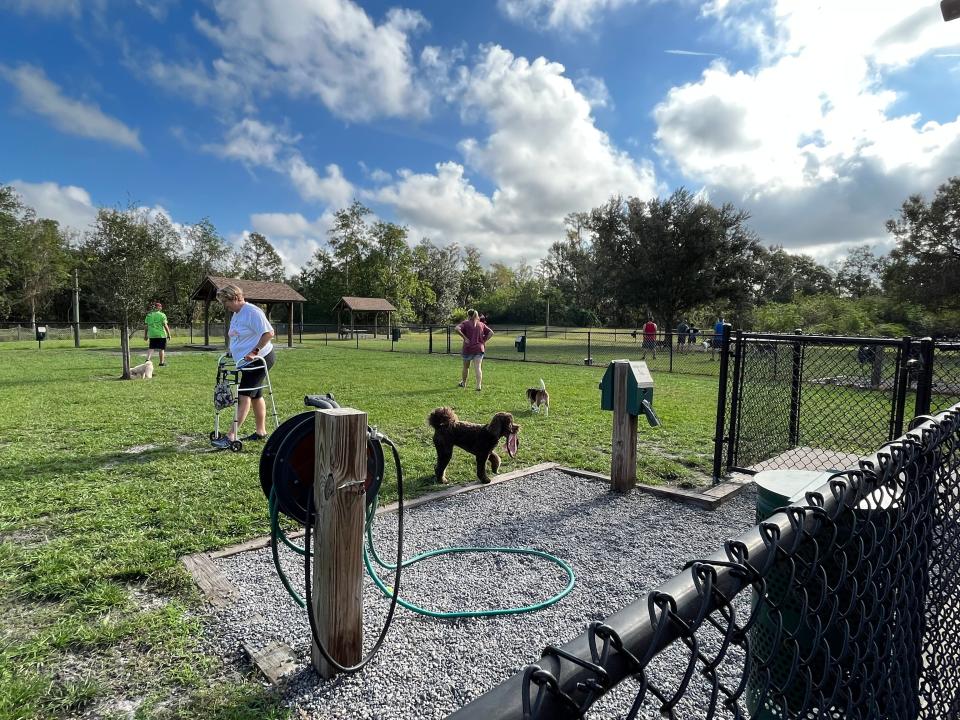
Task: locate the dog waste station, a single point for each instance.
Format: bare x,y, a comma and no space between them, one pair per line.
627,390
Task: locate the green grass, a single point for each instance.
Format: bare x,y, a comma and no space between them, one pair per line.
104,484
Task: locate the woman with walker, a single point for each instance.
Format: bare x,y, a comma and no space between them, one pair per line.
250,344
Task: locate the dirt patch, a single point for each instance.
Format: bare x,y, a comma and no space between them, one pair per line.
26,538
140,449
145,599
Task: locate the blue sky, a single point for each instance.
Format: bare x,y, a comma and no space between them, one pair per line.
479,123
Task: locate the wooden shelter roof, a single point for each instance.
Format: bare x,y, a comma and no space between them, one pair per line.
253,290
364,304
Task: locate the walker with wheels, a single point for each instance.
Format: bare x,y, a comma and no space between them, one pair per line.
227,391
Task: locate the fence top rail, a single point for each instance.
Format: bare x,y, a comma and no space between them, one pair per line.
645,633
821,339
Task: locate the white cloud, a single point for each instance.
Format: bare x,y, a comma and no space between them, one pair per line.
260,144
807,141
69,205
294,237
544,156
691,52
223,86
44,97
332,188
330,51
558,14
254,143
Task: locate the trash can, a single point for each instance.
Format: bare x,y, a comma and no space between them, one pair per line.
41,332
395,334
776,488
790,634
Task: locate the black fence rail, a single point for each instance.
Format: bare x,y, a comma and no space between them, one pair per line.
845,605
817,402
568,346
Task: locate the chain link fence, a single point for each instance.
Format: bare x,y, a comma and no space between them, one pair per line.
566,346
817,403
845,605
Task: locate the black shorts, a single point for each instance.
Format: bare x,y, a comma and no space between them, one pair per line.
255,377
158,343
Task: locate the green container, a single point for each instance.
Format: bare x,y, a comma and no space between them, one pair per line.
776,488
779,488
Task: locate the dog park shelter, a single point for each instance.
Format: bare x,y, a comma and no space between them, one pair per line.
363,305
267,294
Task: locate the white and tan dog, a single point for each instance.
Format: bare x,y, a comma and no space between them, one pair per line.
143,371
539,398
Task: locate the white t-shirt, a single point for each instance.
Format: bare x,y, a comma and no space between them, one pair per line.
246,327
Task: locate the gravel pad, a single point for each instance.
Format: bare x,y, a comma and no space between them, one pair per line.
620,547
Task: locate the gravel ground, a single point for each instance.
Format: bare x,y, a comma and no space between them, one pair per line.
619,546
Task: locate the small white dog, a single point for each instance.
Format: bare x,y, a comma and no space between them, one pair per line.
143,371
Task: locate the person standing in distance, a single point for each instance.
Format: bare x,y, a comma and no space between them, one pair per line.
157,332
475,334
250,341
649,338
683,330
717,337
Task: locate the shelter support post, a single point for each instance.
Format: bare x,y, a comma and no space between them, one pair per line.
290,327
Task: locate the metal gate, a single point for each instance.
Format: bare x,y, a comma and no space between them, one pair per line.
817,402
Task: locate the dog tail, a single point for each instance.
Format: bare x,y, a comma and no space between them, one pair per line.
542,385
442,417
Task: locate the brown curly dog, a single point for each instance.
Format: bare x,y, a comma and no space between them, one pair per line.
450,431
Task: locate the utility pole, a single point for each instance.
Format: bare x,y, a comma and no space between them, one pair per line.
76,308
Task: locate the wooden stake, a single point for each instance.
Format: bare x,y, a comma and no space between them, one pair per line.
341,468
623,463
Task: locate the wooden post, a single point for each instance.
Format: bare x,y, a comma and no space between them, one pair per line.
206,321
290,327
623,463
340,471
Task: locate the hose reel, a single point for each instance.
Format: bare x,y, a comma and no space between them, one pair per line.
288,460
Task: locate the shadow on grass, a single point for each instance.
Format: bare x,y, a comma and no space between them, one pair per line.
104,461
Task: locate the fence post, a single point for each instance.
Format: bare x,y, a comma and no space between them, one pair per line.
430,340
526,338
670,348
796,385
902,387
623,451
738,355
924,378
589,353
721,404
448,339
338,487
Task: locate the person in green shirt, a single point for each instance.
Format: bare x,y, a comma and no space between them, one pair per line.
157,331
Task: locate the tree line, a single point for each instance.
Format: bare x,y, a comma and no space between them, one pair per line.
675,258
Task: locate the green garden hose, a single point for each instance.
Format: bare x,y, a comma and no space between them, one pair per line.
369,551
